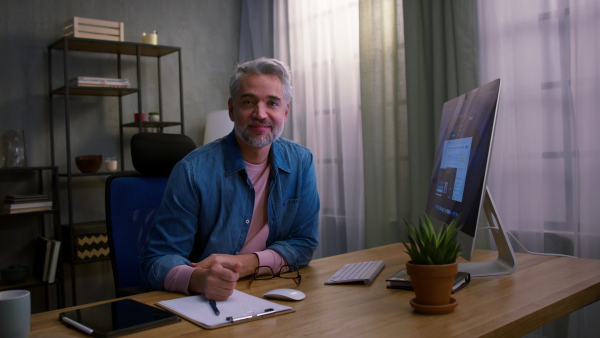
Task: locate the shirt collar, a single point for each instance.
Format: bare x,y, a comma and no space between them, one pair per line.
234,161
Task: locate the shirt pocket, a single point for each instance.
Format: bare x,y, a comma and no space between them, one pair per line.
288,216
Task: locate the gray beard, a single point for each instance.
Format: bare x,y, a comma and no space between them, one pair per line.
258,142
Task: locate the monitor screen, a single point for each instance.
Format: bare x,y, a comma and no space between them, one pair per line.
461,161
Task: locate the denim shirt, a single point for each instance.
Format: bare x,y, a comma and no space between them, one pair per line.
209,200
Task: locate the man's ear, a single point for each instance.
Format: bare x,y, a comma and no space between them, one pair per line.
230,107
287,111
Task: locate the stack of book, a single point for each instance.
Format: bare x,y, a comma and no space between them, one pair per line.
101,82
26,203
46,259
401,280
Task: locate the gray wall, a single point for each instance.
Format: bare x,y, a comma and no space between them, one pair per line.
206,30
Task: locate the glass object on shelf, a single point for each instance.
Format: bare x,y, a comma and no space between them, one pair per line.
151,39
111,163
13,149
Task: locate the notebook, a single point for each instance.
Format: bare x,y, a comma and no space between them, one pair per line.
239,308
401,280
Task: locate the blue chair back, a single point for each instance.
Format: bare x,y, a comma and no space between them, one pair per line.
132,201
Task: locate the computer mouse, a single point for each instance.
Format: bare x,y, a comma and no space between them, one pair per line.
285,294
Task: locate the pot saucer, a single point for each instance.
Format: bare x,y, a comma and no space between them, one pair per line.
434,309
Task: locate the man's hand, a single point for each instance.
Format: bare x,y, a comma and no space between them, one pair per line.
249,262
216,282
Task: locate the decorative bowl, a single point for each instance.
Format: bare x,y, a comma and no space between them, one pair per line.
15,274
88,163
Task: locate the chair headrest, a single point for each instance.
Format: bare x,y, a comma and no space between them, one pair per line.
155,154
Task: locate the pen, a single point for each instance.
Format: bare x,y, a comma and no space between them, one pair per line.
235,319
213,304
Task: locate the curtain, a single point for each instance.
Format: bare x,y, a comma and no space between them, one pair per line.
385,126
545,157
441,63
415,55
256,29
320,43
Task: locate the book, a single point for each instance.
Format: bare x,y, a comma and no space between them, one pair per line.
47,260
88,81
47,252
401,280
25,198
101,85
40,265
25,205
24,210
239,308
97,79
53,261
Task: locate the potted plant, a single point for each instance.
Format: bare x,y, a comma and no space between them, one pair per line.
153,116
432,266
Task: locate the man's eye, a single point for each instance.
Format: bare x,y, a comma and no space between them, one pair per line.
248,102
273,103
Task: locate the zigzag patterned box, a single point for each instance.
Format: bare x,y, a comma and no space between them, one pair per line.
91,242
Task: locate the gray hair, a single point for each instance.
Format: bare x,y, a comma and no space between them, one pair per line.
262,66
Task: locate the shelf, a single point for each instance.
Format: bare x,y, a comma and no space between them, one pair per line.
87,261
100,173
113,47
21,169
65,47
147,124
29,282
50,211
44,186
95,91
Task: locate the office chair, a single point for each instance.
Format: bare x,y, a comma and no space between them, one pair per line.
132,200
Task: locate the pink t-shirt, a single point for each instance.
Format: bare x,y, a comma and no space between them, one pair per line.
178,278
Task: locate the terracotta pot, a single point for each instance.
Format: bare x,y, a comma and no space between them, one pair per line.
432,283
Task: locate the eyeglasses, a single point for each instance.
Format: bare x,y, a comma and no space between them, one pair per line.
286,271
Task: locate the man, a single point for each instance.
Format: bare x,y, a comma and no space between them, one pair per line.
247,200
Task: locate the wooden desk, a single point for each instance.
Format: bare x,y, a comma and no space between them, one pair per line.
542,289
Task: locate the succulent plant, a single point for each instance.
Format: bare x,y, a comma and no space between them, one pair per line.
428,247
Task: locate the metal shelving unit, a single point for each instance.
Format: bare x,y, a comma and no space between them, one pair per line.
42,187
69,47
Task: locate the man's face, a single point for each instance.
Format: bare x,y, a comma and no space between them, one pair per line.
259,110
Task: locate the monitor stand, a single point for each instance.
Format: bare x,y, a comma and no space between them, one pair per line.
506,262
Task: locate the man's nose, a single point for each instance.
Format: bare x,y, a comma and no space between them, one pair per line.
260,112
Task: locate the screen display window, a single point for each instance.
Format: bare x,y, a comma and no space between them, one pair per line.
461,158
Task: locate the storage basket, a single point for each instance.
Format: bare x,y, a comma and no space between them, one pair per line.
90,241
94,29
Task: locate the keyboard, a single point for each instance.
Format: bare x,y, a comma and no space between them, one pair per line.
363,272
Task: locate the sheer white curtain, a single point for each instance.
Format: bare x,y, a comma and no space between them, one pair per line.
546,157
320,41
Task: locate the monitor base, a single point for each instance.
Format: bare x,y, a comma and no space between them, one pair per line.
506,262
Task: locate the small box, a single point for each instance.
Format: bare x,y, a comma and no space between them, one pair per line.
94,29
90,240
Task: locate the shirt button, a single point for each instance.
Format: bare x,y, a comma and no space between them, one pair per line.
247,221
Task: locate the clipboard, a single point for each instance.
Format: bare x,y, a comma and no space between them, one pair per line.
239,308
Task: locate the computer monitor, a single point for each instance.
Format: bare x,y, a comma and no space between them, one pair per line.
458,182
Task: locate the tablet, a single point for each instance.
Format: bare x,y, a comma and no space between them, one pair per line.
117,318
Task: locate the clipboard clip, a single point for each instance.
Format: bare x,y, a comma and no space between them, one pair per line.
249,315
